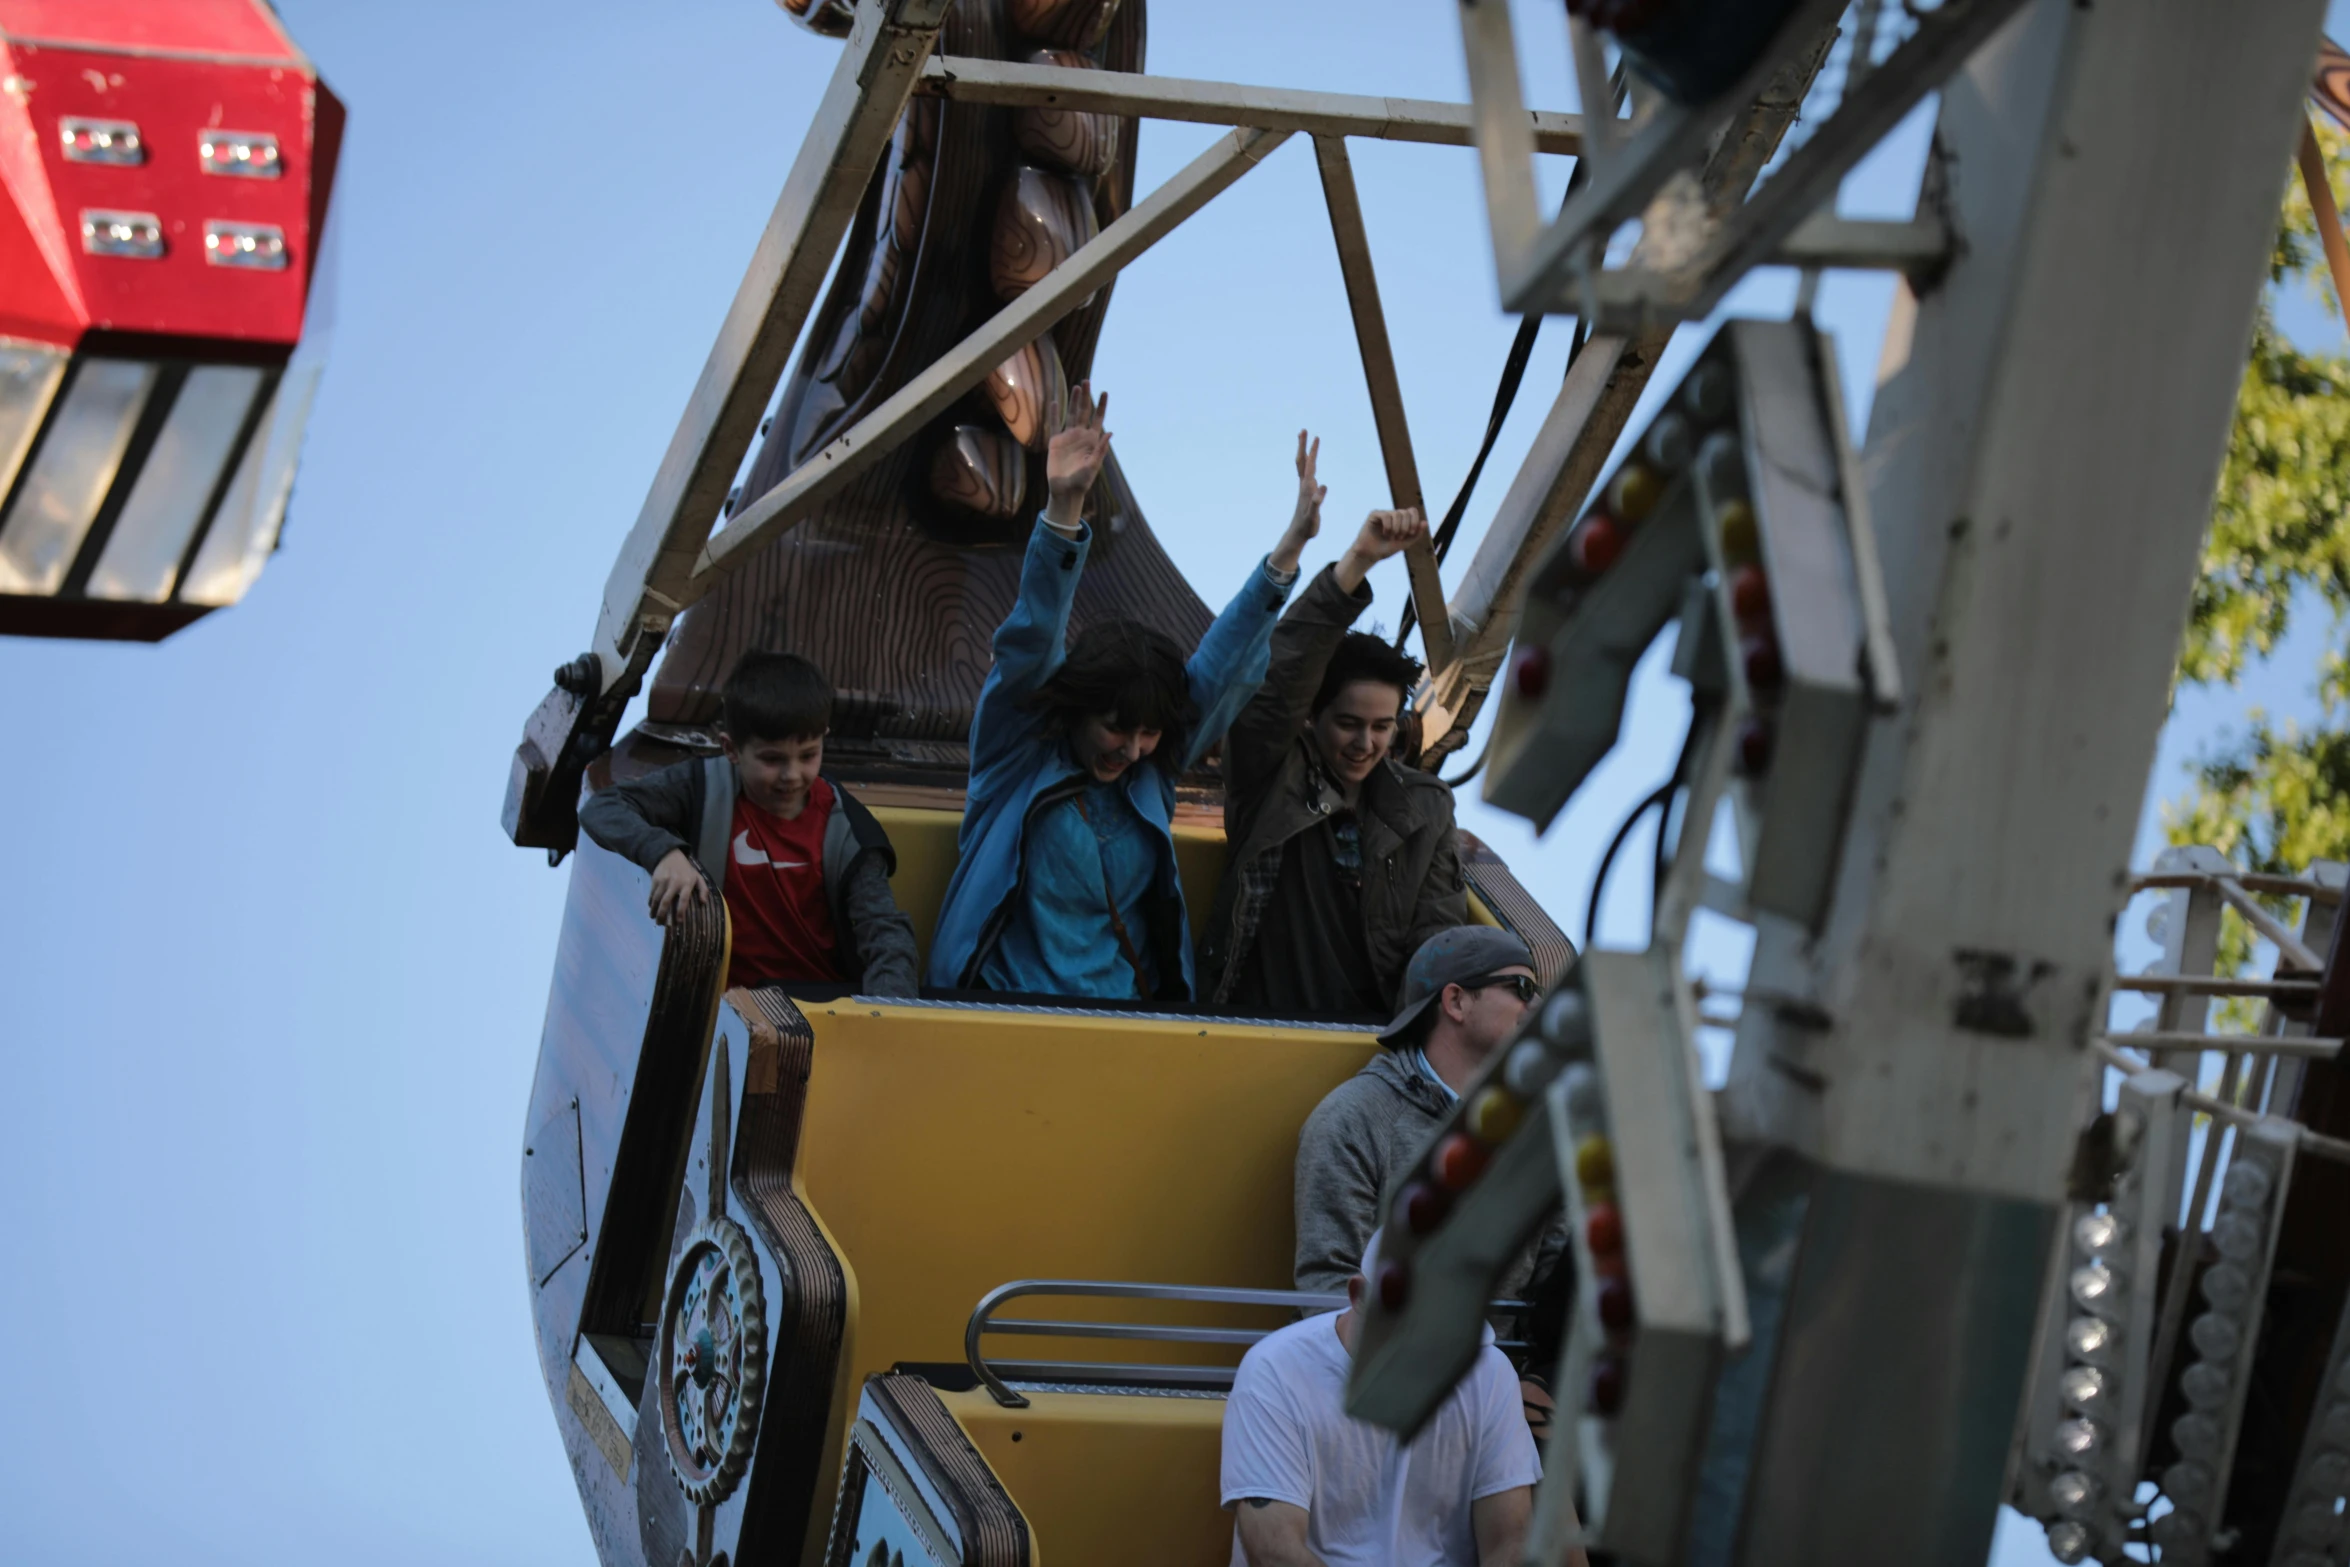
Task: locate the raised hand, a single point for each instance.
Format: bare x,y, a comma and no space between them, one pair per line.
1306,520
1384,533
1073,460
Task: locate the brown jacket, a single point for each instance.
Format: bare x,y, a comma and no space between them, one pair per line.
1275,788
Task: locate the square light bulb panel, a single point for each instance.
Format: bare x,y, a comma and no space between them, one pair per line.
250,155
114,142
127,236
257,247
1737,504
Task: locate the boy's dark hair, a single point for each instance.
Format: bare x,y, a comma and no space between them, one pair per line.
775,696
1361,656
1127,670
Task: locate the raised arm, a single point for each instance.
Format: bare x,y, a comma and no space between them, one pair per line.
1303,642
1230,662
1030,643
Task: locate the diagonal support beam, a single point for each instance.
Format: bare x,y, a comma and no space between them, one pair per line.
858,114
930,393
1395,436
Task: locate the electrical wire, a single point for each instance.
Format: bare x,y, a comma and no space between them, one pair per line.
1607,861
1475,767
1513,372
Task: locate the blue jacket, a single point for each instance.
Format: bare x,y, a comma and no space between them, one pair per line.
1017,763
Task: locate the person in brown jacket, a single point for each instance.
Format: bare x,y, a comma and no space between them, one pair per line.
1343,860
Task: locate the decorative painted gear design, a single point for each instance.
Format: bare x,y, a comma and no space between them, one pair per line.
713,1360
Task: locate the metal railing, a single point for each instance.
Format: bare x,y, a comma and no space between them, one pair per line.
998,1375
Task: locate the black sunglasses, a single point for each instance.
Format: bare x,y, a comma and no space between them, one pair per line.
1524,985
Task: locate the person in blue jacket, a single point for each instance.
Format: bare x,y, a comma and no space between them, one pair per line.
1066,884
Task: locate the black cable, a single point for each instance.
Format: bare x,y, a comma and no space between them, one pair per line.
1700,716
1513,371
1475,767
1662,792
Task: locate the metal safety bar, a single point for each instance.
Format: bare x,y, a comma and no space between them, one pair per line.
997,1376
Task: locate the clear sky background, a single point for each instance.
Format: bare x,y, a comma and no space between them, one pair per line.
271,979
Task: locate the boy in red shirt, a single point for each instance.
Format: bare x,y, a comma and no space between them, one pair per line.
804,867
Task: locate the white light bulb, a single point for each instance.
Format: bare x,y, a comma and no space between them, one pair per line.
2085,1389
1529,1068
1566,1018
2204,1385
2079,1438
2074,1492
2236,1237
1582,1096
2217,1338
2090,1339
2179,1527
2187,1483
2098,1234
2068,1541
2330,1473
2227,1287
2196,1436
2314,1523
2098,1289
2247,1186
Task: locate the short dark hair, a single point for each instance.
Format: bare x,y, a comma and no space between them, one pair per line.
1361,656
1127,670
775,696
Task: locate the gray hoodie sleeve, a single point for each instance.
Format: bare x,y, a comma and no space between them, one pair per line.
644,820
885,937
1339,1174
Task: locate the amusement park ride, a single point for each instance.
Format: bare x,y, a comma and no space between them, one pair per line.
1940,1242
165,166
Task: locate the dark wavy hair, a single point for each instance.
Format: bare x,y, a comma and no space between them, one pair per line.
775,696
1127,670
1361,656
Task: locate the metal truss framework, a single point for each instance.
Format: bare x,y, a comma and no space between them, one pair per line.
671,557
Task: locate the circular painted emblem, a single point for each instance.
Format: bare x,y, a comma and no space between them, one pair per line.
713,1360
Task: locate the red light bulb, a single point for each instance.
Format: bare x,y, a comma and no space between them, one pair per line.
1750,596
1603,1229
1424,1207
1760,654
1530,671
1395,1285
1615,1305
1459,1160
1596,543
1607,1384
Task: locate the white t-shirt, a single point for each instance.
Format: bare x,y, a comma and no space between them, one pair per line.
1371,1502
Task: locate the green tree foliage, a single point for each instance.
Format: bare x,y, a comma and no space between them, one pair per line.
2278,796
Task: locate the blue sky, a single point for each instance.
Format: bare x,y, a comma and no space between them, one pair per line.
271,976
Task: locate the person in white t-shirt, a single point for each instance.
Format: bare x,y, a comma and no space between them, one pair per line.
1311,1486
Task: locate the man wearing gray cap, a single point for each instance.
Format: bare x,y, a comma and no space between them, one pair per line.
1464,993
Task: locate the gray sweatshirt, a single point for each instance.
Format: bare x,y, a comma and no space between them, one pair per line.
1357,1147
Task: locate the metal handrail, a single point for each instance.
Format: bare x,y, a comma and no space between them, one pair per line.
994,1377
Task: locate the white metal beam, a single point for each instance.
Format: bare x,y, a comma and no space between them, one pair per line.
2041,461
853,124
929,393
1015,84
